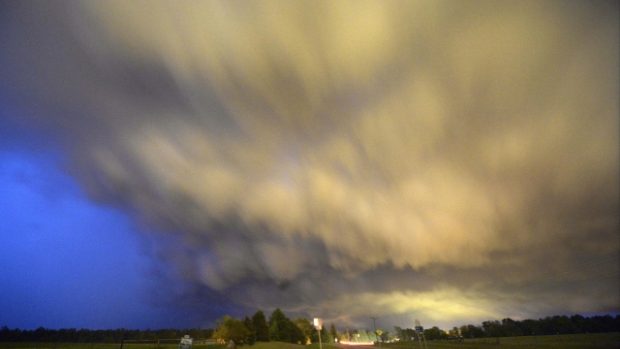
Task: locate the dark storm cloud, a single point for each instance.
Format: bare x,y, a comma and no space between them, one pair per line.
445,161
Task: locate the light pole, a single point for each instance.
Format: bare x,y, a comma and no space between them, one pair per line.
319,325
374,325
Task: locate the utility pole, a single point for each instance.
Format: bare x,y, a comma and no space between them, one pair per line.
420,332
318,324
374,325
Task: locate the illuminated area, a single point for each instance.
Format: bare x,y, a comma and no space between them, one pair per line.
356,343
447,161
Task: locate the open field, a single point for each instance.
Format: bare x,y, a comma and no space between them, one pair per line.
50,345
280,345
47,345
576,341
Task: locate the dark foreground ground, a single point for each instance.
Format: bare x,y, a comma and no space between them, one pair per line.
574,341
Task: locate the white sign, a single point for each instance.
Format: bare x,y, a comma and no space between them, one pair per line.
318,323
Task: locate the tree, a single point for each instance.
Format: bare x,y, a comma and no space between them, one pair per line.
283,329
434,333
398,331
231,329
276,326
454,332
324,335
333,334
492,328
408,334
529,327
384,335
306,328
252,332
260,326
471,331
510,328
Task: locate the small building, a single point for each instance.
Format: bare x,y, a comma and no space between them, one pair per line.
186,342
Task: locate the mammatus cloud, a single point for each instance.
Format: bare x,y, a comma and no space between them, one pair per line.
450,161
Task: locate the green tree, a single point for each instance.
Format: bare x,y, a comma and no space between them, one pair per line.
276,326
283,329
471,331
324,335
333,334
492,328
434,333
252,332
399,333
306,329
231,329
260,326
510,327
385,335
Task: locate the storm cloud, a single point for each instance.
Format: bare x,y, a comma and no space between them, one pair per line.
447,161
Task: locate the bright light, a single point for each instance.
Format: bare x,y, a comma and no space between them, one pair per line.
356,343
318,323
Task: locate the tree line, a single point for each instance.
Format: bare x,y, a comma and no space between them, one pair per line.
248,331
559,324
96,336
278,328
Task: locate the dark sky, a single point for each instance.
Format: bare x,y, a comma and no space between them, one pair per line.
165,163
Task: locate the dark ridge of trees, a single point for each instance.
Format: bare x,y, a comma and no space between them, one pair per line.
96,336
281,328
559,324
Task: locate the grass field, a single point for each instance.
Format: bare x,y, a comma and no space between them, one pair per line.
44,345
575,341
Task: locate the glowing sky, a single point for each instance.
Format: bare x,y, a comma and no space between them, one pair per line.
447,161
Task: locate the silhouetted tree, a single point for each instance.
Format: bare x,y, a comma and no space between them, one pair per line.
252,332
471,331
306,328
510,328
231,329
434,333
333,334
492,328
283,329
260,326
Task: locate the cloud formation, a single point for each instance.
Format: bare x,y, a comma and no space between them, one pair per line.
451,161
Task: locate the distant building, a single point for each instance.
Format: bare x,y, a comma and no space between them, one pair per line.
186,342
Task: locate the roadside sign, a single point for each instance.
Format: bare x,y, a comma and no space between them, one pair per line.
318,323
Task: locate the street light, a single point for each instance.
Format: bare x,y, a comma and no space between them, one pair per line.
318,324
